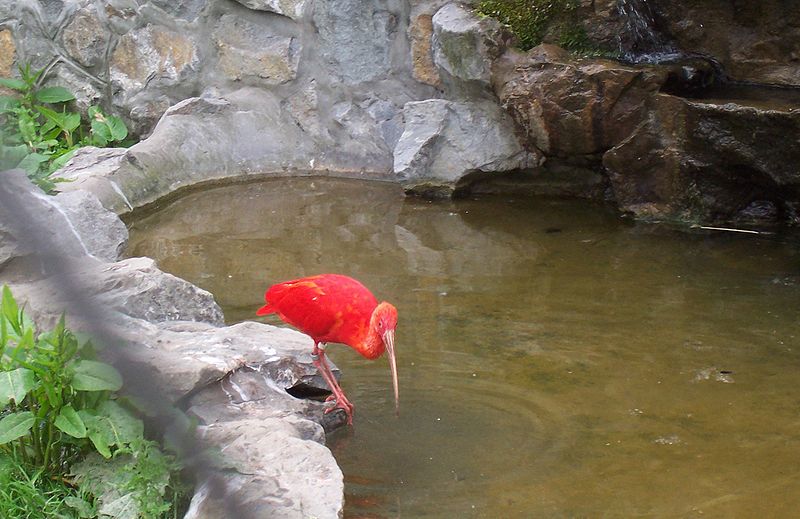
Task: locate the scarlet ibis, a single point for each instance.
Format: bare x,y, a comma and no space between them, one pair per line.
336,308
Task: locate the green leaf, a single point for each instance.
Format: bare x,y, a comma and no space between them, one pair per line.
83,508
71,121
10,309
10,156
13,84
117,127
15,384
55,94
100,443
15,426
70,422
32,162
120,426
90,375
8,103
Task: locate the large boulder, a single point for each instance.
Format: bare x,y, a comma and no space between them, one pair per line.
753,41
464,46
705,161
446,144
570,107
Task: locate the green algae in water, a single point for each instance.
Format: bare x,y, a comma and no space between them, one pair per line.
554,360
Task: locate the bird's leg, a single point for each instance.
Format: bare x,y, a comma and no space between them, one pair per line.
318,355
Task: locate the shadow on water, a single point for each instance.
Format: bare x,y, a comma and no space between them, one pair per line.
554,361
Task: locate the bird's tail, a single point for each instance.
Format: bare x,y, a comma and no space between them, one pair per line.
265,310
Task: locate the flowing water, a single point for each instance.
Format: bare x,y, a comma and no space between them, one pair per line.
555,360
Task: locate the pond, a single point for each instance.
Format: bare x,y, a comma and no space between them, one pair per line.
555,359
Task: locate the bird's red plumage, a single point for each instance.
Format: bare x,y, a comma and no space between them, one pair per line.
327,307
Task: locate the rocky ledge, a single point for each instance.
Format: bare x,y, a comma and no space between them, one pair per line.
168,338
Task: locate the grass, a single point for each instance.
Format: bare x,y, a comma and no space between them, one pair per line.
29,493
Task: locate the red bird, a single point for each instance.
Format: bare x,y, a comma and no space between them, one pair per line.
336,308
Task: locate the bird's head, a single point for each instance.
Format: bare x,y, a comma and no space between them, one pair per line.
384,322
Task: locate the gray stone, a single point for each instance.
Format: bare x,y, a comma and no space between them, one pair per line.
447,143
355,39
85,38
100,230
207,138
464,45
152,54
248,51
292,8
182,9
29,219
273,467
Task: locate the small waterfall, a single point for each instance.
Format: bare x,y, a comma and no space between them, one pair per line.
640,42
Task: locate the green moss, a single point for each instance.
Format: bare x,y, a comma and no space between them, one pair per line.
534,21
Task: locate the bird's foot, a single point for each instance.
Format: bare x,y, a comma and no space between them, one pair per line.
341,402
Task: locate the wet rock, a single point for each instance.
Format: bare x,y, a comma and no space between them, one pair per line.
292,8
757,42
445,143
248,51
464,45
569,107
698,161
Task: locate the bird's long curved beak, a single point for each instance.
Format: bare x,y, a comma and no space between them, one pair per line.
388,340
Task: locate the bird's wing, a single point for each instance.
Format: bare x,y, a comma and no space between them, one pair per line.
302,303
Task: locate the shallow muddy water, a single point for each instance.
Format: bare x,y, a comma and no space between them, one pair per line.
555,361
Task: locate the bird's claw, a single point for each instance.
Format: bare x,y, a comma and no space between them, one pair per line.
343,404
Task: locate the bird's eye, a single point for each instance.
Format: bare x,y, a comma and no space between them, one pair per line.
380,325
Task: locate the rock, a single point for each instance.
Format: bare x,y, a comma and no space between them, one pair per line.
121,15
85,38
152,55
88,91
273,467
24,206
237,379
464,45
248,51
570,107
101,231
292,8
207,138
447,143
182,9
701,161
420,34
756,42
355,39
8,51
